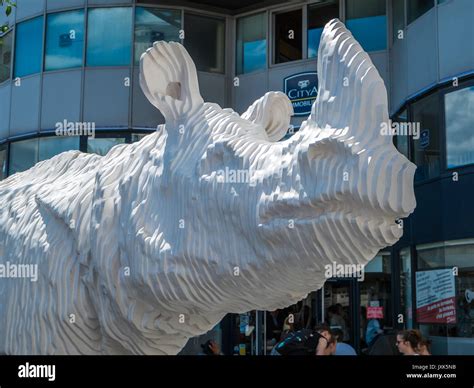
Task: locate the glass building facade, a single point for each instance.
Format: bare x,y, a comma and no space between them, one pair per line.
78,62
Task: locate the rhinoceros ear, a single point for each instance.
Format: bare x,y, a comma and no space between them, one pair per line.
168,79
273,111
352,98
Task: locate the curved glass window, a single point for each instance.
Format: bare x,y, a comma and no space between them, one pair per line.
205,42
367,20
101,146
459,121
5,56
153,24
23,155
252,43
318,16
109,36
28,47
64,40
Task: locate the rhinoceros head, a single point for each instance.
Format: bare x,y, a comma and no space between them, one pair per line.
256,217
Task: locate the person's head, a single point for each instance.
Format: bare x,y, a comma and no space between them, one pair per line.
332,310
423,347
407,341
328,344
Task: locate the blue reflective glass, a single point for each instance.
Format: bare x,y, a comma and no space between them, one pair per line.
64,40
101,146
54,145
23,155
28,47
459,118
370,32
5,56
109,37
314,36
255,55
251,43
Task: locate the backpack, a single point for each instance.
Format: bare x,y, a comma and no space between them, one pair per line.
299,343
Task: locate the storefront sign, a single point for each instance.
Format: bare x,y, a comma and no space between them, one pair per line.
374,312
302,90
435,296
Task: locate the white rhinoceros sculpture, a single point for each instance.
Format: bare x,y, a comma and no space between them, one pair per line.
141,249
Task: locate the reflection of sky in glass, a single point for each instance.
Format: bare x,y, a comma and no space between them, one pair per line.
153,24
314,36
459,108
108,39
370,32
63,49
28,47
255,55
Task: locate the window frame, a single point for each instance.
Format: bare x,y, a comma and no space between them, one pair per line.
271,28
84,44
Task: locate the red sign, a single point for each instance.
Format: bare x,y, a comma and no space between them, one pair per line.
442,311
374,312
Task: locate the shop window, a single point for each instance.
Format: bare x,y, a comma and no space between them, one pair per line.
138,137
426,148
205,42
101,146
54,145
5,56
155,24
445,290
252,43
367,20
375,298
288,36
398,19
64,40
459,123
3,161
28,47
416,8
23,155
109,39
406,288
318,16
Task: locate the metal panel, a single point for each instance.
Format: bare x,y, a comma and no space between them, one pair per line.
106,97
144,114
251,86
59,4
398,75
61,98
27,8
25,105
422,52
212,87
